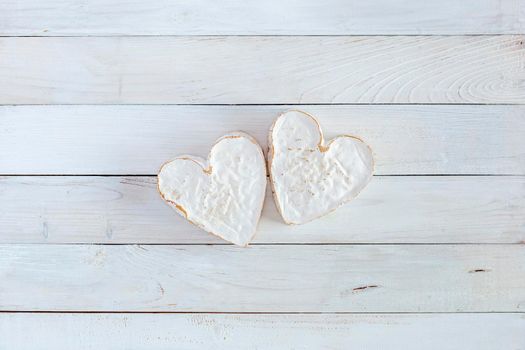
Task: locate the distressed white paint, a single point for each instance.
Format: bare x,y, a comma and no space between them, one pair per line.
404,209
245,331
238,17
138,139
311,176
240,70
224,194
303,278
250,70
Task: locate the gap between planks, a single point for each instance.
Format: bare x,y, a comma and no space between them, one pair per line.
266,313
335,244
154,175
253,35
291,105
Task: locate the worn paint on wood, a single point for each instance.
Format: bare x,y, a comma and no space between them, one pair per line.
212,331
138,139
123,140
262,70
302,278
241,17
400,209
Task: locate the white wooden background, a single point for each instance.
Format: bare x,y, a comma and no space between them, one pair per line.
96,94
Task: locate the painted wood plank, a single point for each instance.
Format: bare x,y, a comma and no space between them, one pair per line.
236,17
282,278
241,70
404,209
247,331
138,139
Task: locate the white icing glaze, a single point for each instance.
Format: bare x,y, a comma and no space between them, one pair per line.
310,178
223,195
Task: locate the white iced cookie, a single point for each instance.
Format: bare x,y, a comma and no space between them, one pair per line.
311,178
223,195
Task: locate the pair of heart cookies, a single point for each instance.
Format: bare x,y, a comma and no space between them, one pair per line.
224,194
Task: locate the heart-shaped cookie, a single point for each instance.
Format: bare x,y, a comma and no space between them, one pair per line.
223,195
311,178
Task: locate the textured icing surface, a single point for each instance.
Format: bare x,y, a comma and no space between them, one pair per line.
224,195
310,178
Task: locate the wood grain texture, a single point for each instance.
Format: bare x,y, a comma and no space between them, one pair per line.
296,331
303,278
236,17
138,139
136,55
255,70
390,210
